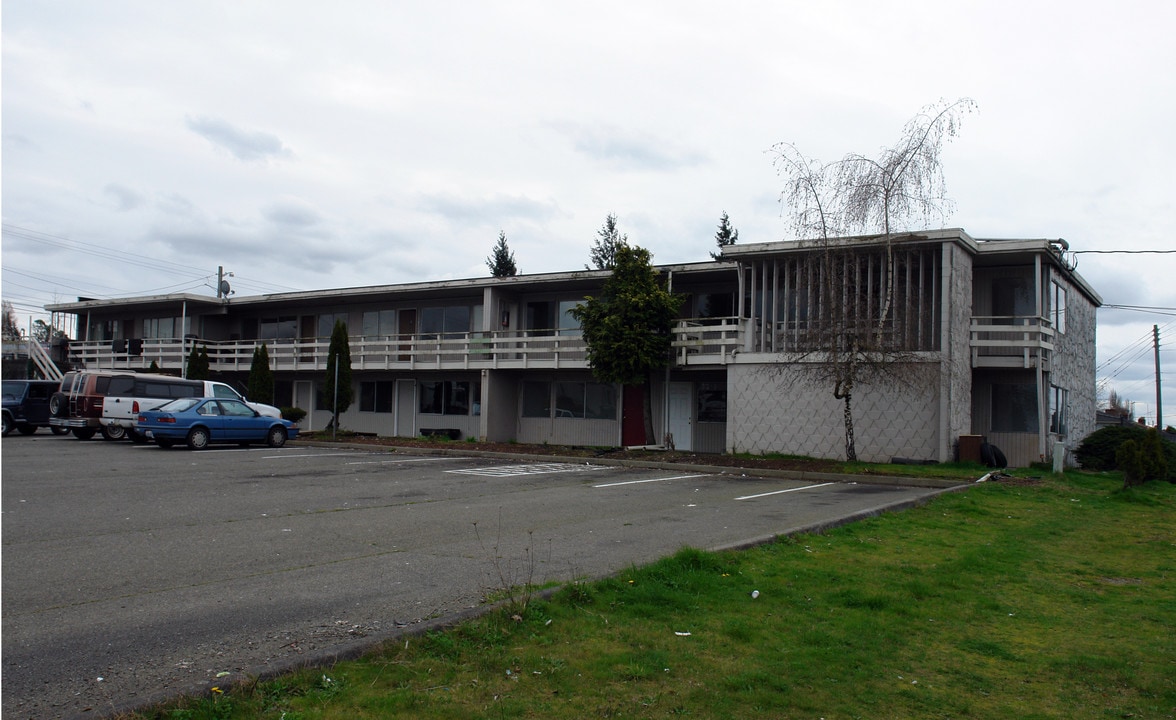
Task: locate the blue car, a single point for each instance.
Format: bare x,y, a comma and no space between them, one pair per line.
199,422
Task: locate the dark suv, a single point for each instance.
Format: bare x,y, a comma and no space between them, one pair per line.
26,405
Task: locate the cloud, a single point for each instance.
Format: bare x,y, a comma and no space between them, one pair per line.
125,199
629,149
292,214
245,145
496,210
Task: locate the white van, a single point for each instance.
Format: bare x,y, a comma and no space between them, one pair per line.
128,395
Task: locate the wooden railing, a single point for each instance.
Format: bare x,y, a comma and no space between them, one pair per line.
1010,341
695,342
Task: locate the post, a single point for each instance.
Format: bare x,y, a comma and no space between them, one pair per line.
335,403
1159,407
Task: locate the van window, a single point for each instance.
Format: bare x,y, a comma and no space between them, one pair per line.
184,391
121,387
224,391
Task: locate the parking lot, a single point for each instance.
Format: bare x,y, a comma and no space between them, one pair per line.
131,571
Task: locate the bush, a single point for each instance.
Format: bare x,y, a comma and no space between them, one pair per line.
293,414
1157,457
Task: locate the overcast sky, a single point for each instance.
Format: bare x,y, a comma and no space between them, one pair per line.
318,145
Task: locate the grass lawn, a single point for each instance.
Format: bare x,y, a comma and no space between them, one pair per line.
1025,599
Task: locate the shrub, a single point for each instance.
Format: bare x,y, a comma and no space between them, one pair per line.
293,414
1152,457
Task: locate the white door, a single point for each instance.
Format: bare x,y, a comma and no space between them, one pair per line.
405,408
304,398
681,415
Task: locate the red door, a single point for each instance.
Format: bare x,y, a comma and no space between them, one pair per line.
633,415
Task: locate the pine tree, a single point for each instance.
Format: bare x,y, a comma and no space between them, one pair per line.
198,364
339,355
727,235
260,387
501,262
608,240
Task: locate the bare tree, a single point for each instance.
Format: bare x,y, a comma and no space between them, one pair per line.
11,328
852,332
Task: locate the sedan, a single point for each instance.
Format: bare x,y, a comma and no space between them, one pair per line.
198,422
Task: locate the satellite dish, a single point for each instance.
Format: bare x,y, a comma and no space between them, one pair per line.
224,288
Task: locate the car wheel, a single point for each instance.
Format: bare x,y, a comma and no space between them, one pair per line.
136,437
276,437
59,405
164,443
198,438
7,427
113,432
58,430
26,429
83,433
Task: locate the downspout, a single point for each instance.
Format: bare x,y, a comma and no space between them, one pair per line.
183,340
666,388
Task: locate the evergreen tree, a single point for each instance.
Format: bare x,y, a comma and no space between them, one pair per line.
198,363
339,355
501,262
608,240
260,387
727,235
628,327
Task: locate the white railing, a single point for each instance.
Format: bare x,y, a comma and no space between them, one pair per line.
696,341
1007,341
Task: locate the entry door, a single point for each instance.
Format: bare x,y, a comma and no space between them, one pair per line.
405,409
633,415
304,398
407,332
681,415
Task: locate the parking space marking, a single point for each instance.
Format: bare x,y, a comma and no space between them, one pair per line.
777,492
651,480
537,469
398,462
345,454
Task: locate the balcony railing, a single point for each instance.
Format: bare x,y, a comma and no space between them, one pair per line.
1011,341
695,342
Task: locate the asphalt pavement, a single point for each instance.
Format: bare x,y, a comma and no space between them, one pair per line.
132,574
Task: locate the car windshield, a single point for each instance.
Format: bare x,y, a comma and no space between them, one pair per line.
13,390
179,405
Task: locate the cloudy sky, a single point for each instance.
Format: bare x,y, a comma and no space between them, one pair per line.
315,145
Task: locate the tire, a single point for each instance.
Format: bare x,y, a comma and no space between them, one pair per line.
59,405
59,430
276,437
26,429
198,438
113,432
164,443
7,426
999,458
137,437
84,433
986,455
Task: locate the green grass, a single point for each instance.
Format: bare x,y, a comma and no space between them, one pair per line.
1055,599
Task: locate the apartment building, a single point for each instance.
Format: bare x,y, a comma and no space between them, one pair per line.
992,337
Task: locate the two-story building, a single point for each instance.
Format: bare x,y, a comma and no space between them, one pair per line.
995,338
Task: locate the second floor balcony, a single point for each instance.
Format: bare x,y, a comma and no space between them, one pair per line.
1011,341
695,342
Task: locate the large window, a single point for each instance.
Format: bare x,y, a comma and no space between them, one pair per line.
712,402
278,328
590,401
167,327
445,320
376,396
1059,400
326,323
1058,306
378,323
536,399
1014,408
450,397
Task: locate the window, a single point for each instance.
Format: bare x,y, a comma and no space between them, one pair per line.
1058,306
379,322
450,397
1058,410
445,320
278,328
1014,408
593,401
569,325
712,402
326,323
376,396
159,327
714,305
536,399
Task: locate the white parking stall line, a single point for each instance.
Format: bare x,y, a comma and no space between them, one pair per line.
651,480
518,470
778,492
317,455
400,462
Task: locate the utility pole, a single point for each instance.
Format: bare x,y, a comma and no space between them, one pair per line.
1159,407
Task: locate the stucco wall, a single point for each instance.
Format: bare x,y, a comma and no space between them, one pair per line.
1073,365
777,409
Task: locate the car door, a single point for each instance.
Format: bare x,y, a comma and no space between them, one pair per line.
240,422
